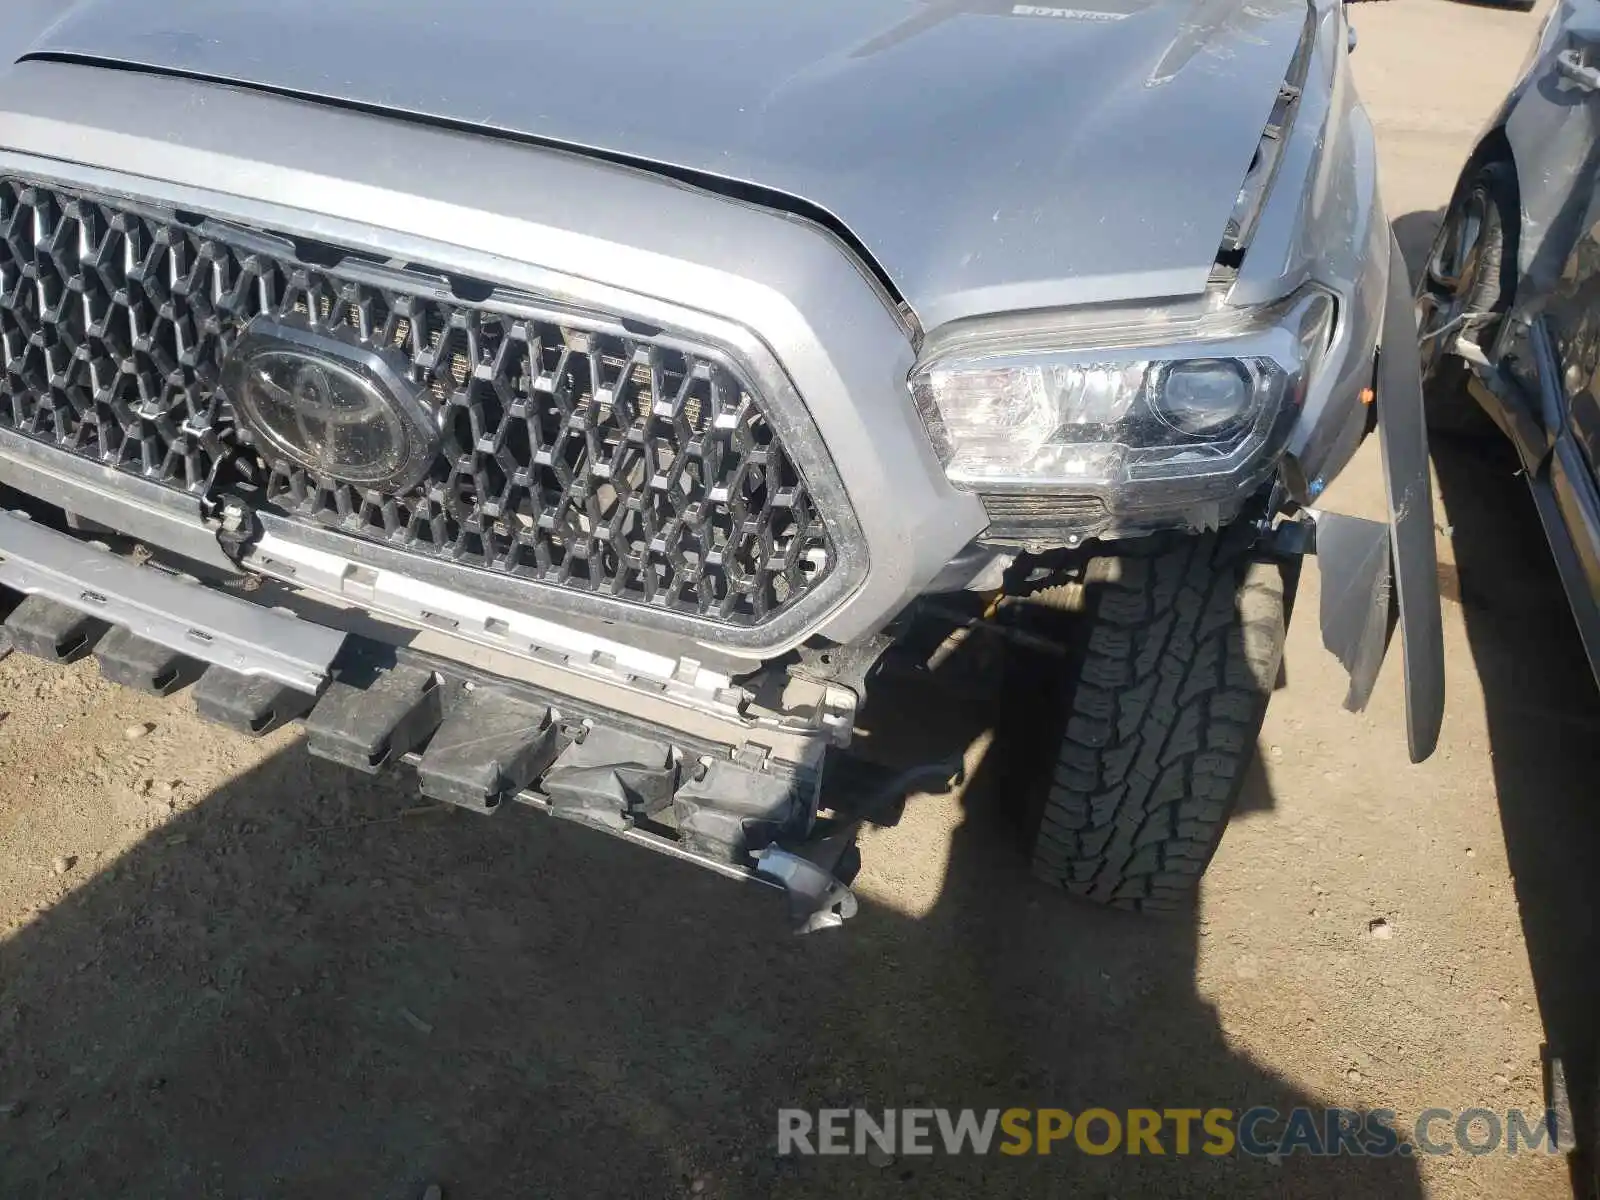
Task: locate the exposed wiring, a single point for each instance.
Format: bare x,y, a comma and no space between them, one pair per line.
1453,325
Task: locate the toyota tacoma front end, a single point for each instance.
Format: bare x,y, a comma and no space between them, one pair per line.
578,401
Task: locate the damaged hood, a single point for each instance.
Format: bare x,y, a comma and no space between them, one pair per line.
988,155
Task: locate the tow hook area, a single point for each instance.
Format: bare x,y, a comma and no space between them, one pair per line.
815,875
720,799
817,898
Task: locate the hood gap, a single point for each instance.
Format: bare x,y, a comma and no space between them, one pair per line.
755,195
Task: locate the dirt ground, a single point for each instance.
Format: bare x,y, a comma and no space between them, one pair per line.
230,970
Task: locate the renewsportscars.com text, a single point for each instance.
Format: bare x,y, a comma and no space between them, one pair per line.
1261,1132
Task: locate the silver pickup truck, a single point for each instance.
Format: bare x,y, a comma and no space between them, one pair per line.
577,401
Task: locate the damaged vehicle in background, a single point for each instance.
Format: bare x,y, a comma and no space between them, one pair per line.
1508,306
592,444
1508,314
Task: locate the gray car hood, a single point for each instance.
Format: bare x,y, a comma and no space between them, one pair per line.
988,155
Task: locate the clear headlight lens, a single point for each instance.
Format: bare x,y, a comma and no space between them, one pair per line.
1203,397
1027,403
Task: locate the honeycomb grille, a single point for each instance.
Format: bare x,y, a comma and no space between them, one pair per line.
575,452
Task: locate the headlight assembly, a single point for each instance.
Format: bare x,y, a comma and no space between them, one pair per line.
1176,405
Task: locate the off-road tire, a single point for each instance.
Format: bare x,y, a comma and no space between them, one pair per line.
1450,408
1180,641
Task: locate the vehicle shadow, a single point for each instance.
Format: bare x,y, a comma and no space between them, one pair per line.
1543,713
294,989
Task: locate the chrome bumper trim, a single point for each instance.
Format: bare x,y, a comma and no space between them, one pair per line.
651,669
317,559
206,625
136,507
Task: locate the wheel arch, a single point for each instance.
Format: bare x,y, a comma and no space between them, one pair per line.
1495,146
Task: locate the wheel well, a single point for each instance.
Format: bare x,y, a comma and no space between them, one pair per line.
1496,147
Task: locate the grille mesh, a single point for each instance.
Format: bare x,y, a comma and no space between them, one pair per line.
575,452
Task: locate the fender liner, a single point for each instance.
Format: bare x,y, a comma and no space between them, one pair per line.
1374,576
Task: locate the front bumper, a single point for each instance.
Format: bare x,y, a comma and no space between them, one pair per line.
477,741
165,610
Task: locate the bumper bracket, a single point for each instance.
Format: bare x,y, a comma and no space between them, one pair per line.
488,750
167,609
147,666
367,728
248,703
47,629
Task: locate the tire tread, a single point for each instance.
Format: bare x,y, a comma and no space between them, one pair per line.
1146,774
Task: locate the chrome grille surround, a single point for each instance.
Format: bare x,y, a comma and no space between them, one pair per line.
627,466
